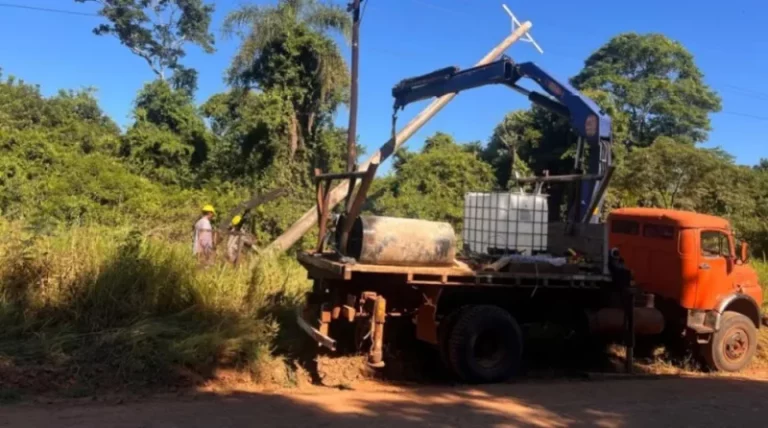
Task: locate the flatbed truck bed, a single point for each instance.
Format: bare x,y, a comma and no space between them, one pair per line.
462,273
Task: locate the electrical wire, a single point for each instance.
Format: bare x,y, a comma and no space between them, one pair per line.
46,9
747,91
362,13
752,116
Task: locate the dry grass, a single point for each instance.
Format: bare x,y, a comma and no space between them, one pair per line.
762,349
95,307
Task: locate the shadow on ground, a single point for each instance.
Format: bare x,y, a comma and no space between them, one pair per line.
670,402
546,356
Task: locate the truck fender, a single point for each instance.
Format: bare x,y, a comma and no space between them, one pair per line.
741,303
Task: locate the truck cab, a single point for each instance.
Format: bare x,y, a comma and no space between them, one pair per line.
689,262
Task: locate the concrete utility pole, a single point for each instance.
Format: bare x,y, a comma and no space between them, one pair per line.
354,7
309,219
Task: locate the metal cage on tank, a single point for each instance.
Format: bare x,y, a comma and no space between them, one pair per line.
503,223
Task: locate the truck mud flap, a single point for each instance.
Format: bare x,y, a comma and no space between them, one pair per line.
322,339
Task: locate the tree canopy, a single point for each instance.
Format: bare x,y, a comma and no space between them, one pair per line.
431,184
286,49
656,82
157,30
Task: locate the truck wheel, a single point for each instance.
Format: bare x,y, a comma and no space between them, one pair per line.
444,335
485,345
732,347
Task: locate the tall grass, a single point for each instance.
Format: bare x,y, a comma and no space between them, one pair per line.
761,266
107,305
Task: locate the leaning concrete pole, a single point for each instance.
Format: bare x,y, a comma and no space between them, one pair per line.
309,219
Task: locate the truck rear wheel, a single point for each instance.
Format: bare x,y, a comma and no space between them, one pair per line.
732,347
444,335
485,345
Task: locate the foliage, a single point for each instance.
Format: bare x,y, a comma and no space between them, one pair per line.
250,129
269,25
655,81
158,30
431,185
675,175
59,157
168,137
72,118
56,156
514,131
287,51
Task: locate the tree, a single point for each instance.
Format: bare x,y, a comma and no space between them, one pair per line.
270,24
168,139
157,30
286,49
515,132
58,159
655,81
671,174
431,184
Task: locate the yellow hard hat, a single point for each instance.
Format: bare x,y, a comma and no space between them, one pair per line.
236,220
209,209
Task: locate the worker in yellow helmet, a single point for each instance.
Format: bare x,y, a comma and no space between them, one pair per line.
234,242
203,244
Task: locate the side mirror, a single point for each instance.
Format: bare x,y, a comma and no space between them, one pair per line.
744,253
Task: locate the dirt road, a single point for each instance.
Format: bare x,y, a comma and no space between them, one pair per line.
695,402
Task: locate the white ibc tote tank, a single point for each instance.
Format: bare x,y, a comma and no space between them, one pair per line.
504,222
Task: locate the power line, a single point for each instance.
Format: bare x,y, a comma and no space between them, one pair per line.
747,91
751,116
46,9
365,6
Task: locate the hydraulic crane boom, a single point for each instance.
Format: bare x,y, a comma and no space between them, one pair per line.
585,117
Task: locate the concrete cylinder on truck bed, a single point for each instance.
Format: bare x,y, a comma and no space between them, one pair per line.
401,242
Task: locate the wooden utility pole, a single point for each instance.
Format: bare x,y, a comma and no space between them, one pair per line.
354,7
309,219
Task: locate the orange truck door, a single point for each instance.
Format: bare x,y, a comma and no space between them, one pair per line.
714,270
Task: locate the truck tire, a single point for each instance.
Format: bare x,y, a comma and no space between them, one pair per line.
732,347
444,335
485,345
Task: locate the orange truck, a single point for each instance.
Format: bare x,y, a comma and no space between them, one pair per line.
701,280
678,271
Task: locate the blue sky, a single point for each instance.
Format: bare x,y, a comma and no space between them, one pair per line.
402,38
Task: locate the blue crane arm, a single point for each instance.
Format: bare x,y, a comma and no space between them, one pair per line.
584,115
